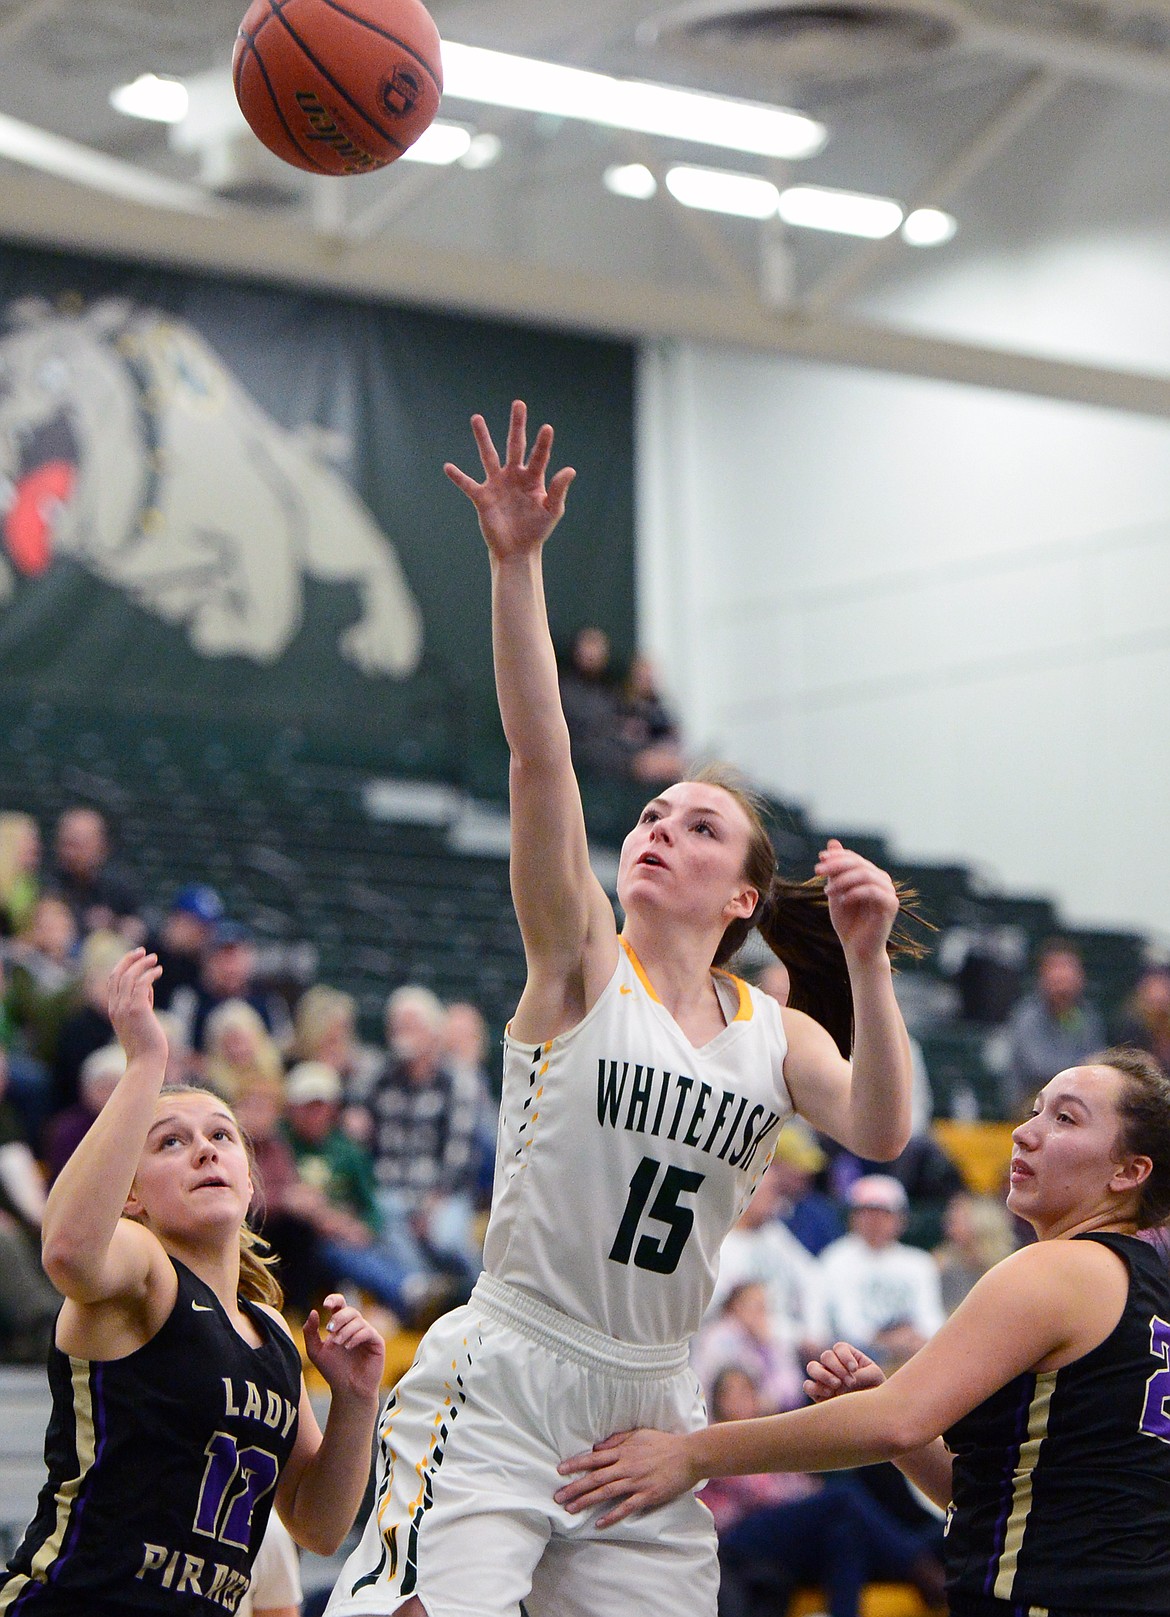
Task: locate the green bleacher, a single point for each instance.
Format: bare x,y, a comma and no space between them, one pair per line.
367,866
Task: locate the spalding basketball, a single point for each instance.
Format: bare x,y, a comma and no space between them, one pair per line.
338,86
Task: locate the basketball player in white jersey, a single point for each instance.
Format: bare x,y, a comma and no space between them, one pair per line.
643,1090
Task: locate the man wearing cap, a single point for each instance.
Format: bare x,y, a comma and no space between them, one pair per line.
182,941
882,1296
336,1194
229,972
806,1212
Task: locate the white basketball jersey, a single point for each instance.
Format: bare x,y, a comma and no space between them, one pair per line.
625,1155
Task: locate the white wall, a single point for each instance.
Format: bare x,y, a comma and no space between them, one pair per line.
922,608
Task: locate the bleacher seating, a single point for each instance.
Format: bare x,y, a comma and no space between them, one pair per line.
369,864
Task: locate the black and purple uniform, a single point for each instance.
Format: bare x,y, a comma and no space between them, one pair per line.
1061,1494
162,1469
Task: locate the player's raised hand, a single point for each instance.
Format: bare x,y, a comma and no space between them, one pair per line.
350,1353
131,1006
863,902
517,510
841,1368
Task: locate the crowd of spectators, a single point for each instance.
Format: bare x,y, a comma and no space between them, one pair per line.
375,1158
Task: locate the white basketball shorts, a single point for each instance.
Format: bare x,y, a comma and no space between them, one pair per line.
501,1391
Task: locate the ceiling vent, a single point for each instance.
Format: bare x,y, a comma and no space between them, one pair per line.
833,41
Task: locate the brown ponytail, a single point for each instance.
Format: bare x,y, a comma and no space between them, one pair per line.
1143,1108
793,920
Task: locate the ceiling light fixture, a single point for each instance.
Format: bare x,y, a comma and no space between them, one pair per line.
483,151
845,213
160,100
929,227
630,180
717,191
441,143
520,82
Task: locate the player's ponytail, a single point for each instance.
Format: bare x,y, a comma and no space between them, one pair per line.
1143,1107
793,919
258,1282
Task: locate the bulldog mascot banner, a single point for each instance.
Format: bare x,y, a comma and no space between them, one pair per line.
214,493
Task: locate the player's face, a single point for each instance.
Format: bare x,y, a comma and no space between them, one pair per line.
1065,1163
686,856
193,1175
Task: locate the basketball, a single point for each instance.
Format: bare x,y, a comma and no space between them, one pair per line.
338,86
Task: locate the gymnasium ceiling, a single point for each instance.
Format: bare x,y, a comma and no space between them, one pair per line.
1043,126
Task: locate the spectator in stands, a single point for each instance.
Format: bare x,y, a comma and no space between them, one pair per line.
1145,1016
761,1247
98,1077
780,1530
28,1303
1052,1028
259,1109
238,1048
424,1121
740,1333
42,976
336,1193
978,1233
807,1212
20,861
589,696
880,1293
186,934
465,1042
608,739
325,1029
88,1026
229,972
101,897
649,727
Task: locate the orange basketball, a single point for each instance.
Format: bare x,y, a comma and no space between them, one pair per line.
338,86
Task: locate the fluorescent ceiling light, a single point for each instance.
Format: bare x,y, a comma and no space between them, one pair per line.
929,227
500,80
483,151
847,213
441,144
163,101
717,191
630,180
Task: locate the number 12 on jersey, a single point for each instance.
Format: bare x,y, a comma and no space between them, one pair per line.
659,1254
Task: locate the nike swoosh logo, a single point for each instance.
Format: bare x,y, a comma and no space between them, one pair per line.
202,1308
622,989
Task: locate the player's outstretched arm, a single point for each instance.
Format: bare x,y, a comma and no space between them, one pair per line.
1030,1306
90,1253
324,1479
558,901
863,1103
843,1369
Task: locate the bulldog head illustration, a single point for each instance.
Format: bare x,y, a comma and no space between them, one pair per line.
128,446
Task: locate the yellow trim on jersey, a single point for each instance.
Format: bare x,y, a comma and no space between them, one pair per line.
744,1013
1013,1537
638,967
744,1009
